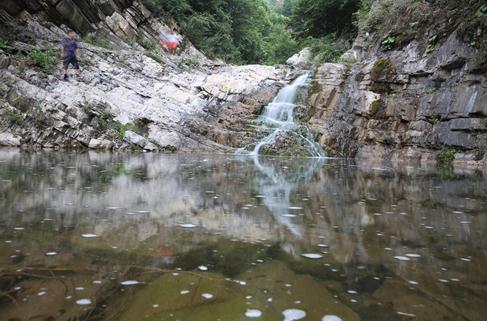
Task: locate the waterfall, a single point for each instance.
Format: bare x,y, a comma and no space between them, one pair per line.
278,120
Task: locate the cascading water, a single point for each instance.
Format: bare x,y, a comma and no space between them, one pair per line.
278,120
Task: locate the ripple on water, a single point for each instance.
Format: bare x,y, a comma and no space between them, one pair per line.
293,314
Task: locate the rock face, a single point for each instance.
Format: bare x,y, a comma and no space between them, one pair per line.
131,93
408,102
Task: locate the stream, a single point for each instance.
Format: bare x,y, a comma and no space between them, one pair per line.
107,236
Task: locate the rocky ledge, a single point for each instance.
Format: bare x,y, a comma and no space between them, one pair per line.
131,94
420,101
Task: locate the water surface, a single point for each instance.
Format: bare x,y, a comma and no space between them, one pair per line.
99,236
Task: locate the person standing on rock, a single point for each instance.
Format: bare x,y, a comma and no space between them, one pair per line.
171,41
69,54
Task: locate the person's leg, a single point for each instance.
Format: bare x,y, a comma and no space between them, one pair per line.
65,68
76,67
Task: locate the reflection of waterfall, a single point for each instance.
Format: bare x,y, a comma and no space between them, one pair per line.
278,120
277,188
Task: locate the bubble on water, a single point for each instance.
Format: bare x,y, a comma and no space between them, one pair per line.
402,258
313,256
51,253
294,208
413,282
202,268
323,245
83,301
187,225
466,259
289,215
41,293
19,228
352,291
443,281
130,282
455,279
331,318
465,222
207,296
155,306
253,313
8,241
293,314
89,235
96,282
413,255
79,289
184,292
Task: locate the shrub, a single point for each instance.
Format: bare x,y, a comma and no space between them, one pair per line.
446,156
155,55
45,58
325,49
388,43
13,117
97,41
122,128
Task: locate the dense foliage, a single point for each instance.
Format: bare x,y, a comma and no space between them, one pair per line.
239,31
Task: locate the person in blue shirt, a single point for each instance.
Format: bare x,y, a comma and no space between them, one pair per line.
69,54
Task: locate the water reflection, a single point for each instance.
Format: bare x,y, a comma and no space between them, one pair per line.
98,236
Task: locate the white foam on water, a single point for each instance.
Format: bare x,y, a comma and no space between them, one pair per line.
19,228
129,282
322,245
41,293
207,296
51,253
413,282
184,292
402,258
89,235
289,215
187,225
293,314
253,313
352,291
294,208
331,318
83,302
313,256
465,259
202,268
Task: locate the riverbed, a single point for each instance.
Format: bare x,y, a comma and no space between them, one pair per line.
103,236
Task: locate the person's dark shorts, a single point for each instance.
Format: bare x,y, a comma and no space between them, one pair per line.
70,60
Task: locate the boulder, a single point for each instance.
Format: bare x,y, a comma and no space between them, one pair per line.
9,139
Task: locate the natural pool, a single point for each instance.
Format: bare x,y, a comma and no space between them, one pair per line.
100,236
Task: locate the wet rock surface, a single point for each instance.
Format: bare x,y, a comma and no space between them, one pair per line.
184,102
409,102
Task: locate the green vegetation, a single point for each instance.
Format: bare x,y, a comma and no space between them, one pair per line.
325,48
388,43
13,117
97,41
44,58
382,67
375,107
122,128
3,44
238,31
434,120
446,156
155,55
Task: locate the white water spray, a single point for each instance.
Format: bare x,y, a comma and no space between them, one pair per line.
278,117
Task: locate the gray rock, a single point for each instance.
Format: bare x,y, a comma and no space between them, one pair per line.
9,139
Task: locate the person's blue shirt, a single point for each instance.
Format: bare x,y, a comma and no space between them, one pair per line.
70,46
